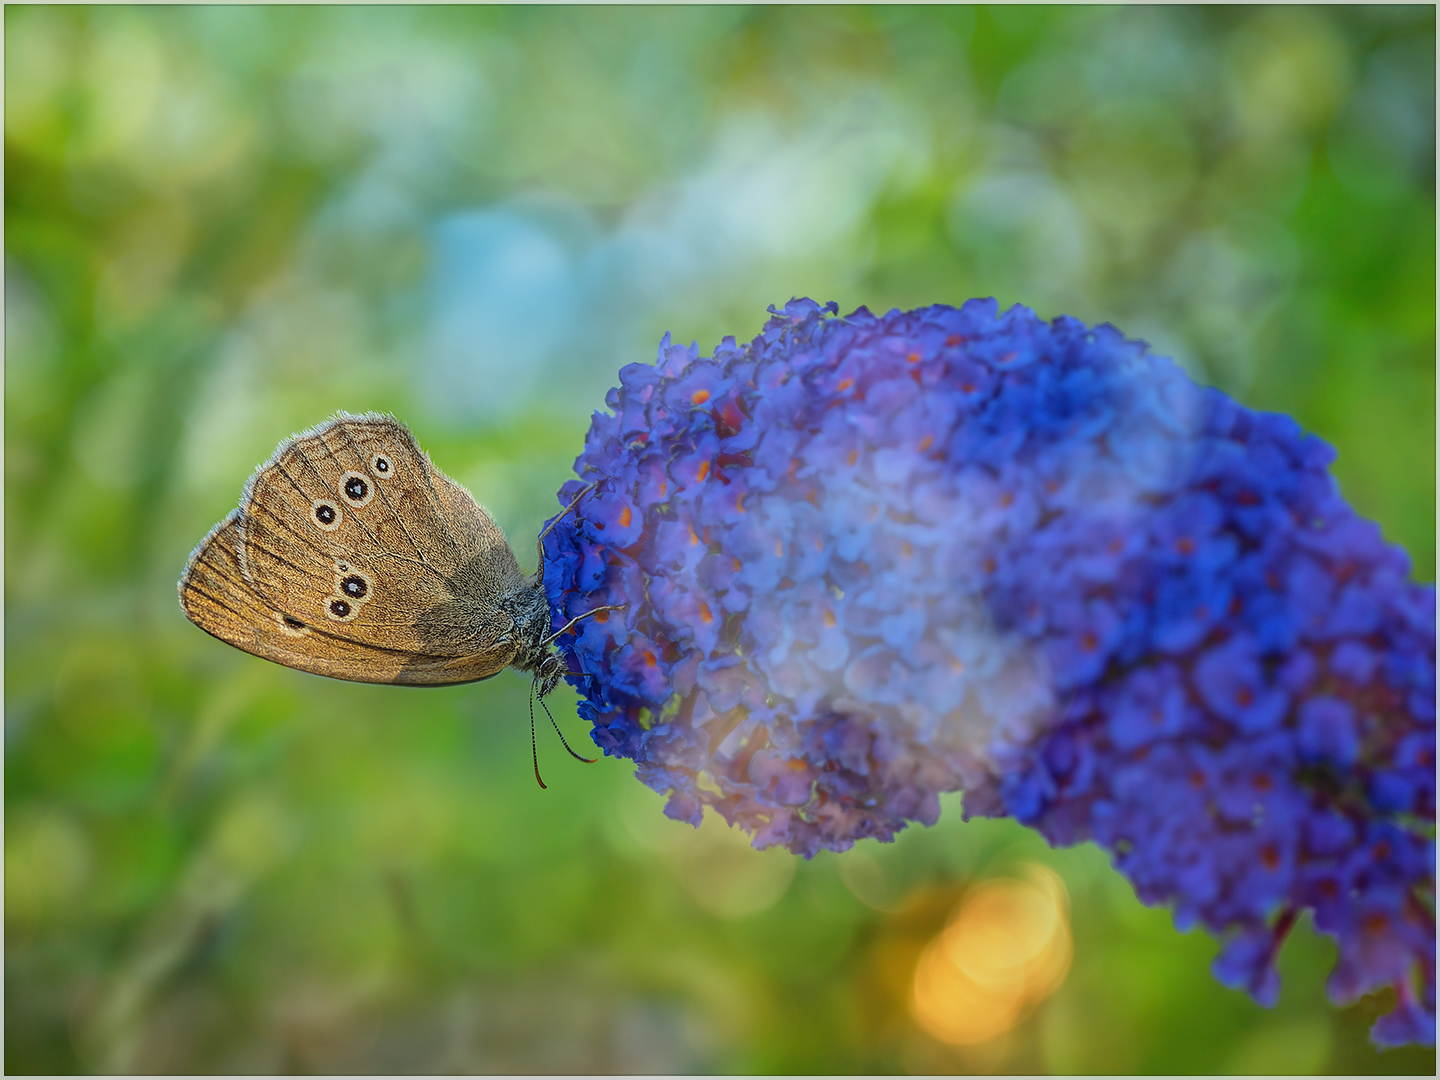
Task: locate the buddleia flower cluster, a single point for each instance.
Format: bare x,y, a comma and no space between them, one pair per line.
866,560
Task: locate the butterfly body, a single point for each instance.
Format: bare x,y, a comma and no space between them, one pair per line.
351,555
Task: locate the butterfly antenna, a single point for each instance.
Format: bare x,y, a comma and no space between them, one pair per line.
577,757
534,755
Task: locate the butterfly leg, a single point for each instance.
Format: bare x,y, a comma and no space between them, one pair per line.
583,615
559,517
540,540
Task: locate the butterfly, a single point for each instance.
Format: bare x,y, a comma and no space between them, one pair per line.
351,555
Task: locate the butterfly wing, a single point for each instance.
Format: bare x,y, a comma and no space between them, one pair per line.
352,556
216,598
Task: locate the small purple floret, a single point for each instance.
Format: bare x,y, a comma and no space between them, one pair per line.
867,560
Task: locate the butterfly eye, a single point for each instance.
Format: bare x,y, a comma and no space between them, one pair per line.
356,489
326,514
380,465
340,610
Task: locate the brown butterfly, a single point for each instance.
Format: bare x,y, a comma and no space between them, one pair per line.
352,556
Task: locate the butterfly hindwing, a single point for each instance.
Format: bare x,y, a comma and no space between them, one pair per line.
352,556
216,598
350,523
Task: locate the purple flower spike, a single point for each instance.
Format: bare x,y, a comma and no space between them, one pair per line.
869,560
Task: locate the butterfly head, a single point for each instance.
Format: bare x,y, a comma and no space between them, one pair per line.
549,673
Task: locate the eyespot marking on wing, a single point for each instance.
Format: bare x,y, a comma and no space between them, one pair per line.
381,466
291,625
325,515
352,583
356,489
340,609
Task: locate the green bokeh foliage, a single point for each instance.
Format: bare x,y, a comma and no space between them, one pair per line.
222,224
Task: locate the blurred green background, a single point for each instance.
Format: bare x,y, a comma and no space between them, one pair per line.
224,223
